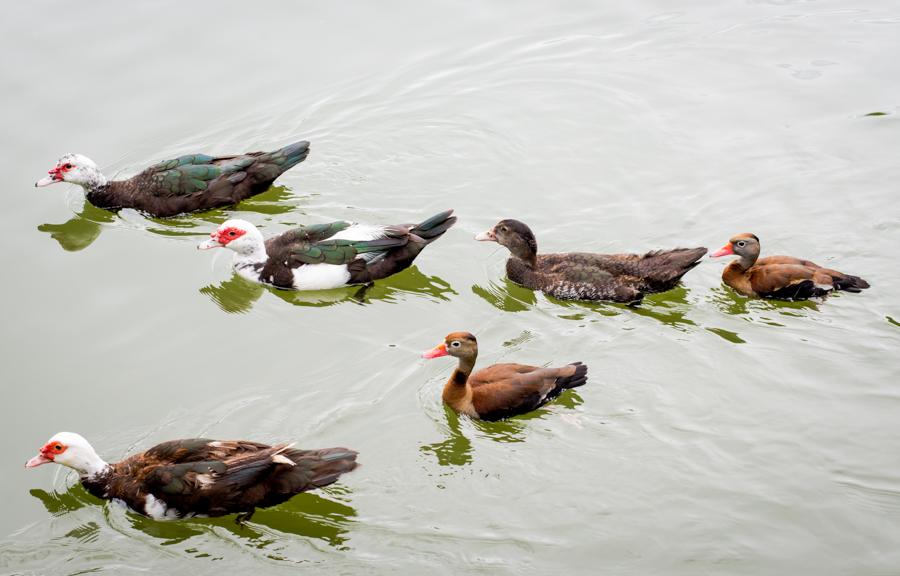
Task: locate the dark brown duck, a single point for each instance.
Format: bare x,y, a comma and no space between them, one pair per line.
501,390
199,477
185,184
587,276
780,277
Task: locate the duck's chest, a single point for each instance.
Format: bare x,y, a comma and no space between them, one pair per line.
737,279
304,277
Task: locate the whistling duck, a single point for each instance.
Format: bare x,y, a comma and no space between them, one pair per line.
323,256
199,477
185,184
781,277
501,390
586,276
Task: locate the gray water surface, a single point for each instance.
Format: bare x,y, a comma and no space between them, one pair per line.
717,435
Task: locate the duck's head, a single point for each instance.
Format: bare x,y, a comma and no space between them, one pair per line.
457,344
75,169
744,245
515,235
72,450
238,235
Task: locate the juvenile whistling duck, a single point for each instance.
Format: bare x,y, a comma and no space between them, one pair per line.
185,184
323,256
586,276
780,277
199,477
501,390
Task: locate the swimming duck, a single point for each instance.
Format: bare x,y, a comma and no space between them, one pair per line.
323,256
199,477
780,277
586,276
501,390
185,184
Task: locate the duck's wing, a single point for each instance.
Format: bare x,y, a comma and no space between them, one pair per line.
524,391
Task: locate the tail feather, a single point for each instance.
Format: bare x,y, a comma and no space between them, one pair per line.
287,157
322,467
435,226
850,283
666,267
579,378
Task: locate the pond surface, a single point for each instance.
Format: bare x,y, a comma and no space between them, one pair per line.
716,435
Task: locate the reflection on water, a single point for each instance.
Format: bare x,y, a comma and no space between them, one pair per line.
80,231
308,515
238,295
730,302
506,295
456,449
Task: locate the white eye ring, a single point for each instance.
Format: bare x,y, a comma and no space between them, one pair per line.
455,344
741,244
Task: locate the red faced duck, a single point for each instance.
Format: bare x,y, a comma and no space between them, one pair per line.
199,477
186,184
586,276
501,390
780,277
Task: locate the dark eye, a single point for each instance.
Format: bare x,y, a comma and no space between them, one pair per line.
232,233
455,344
741,244
57,447
503,229
68,166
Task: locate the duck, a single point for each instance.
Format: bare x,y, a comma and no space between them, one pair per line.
586,276
502,390
188,183
198,476
325,256
779,277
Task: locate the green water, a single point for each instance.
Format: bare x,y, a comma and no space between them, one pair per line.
717,435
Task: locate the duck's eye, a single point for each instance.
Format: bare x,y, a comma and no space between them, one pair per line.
68,166
504,229
455,344
58,447
741,244
232,233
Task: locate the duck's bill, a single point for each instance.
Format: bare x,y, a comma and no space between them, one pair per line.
38,460
486,236
207,244
46,181
436,352
723,251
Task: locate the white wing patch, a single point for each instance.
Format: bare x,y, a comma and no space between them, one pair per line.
321,276
279,459
157,509
360,232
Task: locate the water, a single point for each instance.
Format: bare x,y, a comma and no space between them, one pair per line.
716,435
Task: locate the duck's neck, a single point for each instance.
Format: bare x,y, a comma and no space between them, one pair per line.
747,261
252,256
463,369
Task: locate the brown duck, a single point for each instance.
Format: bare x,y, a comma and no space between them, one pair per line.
780,277
501,390
199,477
586,276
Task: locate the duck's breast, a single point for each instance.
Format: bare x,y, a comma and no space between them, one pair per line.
321,276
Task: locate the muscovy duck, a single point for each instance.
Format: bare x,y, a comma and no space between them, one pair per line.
780,277
199,477
586,276
501,390
185,184
323,256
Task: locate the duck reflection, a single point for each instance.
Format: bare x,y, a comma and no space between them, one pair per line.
456,449
238,295
308,515
730,302
82,229
670,307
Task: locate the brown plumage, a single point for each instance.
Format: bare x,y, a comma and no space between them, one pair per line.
586,276
200,477
501,390
780,277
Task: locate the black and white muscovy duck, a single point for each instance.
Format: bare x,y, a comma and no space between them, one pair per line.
588,276
185,184
199,477
323,256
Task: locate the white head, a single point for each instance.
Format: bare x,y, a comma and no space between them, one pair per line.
238,235
76,169
72,450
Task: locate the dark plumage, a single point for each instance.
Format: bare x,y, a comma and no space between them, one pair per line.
200,477
323,256
780,277
185,184
501,390
586,276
